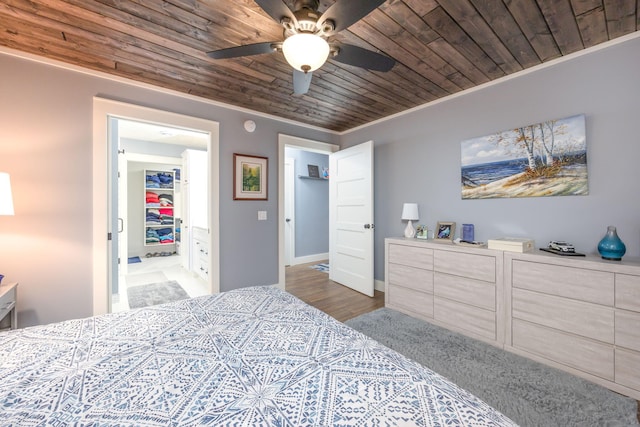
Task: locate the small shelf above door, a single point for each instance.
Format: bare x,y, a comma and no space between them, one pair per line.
312,177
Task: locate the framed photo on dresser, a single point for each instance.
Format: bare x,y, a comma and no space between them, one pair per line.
445,230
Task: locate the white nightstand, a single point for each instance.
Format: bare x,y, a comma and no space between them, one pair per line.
8,298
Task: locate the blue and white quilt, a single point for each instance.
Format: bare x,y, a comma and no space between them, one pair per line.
249,357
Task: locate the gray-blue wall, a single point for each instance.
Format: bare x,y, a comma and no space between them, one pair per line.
312,204
417,155
46,146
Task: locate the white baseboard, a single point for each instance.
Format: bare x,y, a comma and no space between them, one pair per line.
379,285
310,258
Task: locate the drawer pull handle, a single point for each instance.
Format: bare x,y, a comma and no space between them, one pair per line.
8,306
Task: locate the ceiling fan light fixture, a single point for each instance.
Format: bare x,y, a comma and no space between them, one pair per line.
305,51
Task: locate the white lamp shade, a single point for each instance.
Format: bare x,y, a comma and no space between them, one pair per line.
6,199
305,52
410,212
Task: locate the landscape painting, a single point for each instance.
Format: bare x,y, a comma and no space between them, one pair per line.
545,159
250,177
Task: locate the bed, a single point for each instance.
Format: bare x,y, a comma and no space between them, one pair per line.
249,357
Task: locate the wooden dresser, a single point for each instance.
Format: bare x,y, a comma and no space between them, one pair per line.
457,287
8,299
578,314
581,315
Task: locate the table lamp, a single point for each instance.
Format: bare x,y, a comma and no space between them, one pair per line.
410,213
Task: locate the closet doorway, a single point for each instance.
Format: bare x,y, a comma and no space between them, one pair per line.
107,222
146,153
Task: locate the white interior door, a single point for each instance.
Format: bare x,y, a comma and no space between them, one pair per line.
289,211
351,218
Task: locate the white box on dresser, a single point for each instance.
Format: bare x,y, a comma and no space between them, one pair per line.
578,314
457,287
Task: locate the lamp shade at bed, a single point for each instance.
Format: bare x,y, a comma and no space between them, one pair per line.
6,199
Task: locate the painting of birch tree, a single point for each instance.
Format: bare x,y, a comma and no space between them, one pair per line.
544,159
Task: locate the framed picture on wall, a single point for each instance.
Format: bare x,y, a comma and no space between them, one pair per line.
314,171
250,177
445,231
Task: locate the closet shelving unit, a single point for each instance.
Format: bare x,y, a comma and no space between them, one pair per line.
159,211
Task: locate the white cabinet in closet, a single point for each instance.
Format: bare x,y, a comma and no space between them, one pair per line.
200,252
195,205
159,221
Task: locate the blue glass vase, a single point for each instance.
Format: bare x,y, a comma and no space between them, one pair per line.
611,247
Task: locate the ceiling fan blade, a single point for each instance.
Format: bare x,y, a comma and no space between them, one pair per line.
246,50
301,82
344,13
363,58
277,9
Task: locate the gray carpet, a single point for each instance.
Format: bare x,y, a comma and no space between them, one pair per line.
155,293
529,393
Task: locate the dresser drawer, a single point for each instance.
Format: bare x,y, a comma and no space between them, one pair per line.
411,277
200,233
577,317
469,291
411,255
628,330
200,255
571,350
479,267
202,268
576,283
201,249
628,292
405,299
463,316
627,368
7,298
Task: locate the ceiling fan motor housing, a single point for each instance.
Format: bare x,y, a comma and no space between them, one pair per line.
307,15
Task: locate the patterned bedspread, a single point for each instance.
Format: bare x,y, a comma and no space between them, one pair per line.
249,357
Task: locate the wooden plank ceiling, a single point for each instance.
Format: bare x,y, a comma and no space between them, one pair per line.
441,47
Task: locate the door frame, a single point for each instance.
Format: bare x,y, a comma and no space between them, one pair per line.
103,111
302,144
123,243
290,207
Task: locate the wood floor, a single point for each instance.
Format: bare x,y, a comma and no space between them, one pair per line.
338,301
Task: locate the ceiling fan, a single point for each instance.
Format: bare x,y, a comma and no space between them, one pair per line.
305,45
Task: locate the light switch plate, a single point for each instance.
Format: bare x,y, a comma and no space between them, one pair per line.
262,215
